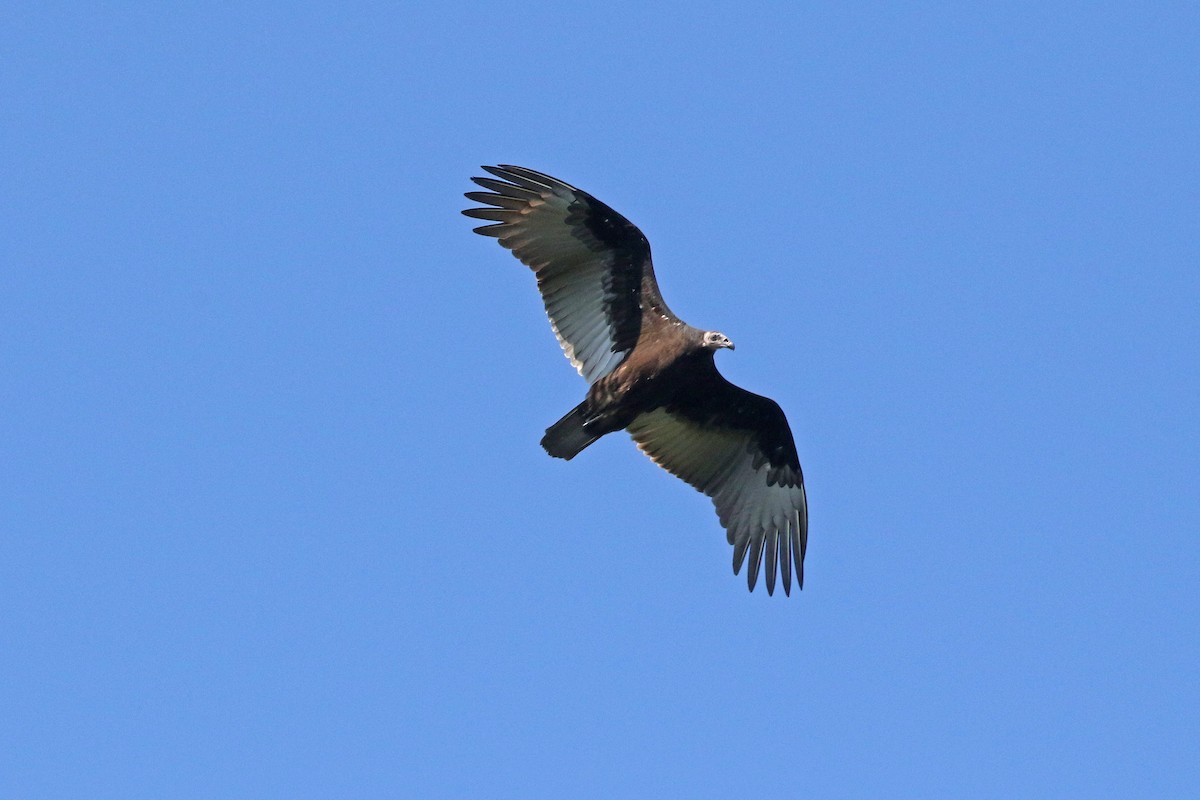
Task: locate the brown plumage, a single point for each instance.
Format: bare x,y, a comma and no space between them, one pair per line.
649,372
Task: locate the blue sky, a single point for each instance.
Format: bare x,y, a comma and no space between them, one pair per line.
275,521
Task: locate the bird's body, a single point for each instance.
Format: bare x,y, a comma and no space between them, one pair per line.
651,377
649,372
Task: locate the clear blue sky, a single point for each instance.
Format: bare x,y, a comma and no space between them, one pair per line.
275,522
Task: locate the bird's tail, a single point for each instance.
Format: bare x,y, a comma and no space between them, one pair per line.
567,437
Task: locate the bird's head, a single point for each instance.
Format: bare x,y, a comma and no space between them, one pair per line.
715,340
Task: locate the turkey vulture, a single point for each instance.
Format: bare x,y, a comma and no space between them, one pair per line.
650,373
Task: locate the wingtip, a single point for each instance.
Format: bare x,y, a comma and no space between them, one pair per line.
743,548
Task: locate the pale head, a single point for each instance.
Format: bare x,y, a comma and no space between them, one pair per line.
715,340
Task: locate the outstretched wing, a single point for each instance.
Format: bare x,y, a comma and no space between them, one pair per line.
592,265
737,448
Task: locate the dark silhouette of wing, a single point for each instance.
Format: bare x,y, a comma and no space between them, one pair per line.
737,448
593,266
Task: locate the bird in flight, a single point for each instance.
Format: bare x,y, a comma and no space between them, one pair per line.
649,372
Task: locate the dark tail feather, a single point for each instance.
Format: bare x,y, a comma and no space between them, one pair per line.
567,437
